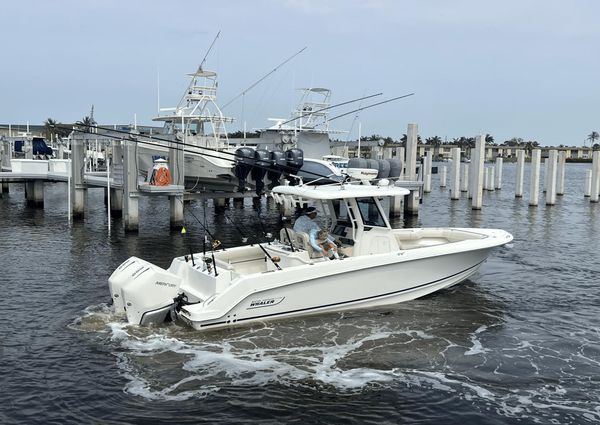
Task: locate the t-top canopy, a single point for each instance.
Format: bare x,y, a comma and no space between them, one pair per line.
340,191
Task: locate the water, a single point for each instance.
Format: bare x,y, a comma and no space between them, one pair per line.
517,343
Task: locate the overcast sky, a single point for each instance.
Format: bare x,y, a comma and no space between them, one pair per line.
528,69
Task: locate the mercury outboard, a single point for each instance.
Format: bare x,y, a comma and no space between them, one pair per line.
278,163
243,166
294,160
262,162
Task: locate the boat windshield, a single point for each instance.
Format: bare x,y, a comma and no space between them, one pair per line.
370,213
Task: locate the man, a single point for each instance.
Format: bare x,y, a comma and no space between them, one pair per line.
306,222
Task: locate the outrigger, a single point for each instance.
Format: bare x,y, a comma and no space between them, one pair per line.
285,278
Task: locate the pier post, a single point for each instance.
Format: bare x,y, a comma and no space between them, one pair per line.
6,156
443,176
546,174
498,171
177,169
455,179
489,179
560,176
465,177
534,192
551,164
130,188
520,172
77,184
427,167
400,156
595,176
116,171
411,203
219,204
587,188
478,161
396,206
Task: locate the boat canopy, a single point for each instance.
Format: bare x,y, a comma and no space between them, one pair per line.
340,191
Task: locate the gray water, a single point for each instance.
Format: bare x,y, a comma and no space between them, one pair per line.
517,343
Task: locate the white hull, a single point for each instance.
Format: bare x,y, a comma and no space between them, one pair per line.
352,289
199,170
248,289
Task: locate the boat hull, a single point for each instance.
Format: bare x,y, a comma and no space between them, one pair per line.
361,285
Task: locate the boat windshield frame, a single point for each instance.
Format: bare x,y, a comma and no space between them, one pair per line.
373,215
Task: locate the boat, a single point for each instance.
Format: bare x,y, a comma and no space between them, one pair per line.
284,278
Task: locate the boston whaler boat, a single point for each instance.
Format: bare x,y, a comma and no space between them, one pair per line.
284,278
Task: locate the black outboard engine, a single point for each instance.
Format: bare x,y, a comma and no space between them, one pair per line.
278,163
245,162
294,160
262,162
384,169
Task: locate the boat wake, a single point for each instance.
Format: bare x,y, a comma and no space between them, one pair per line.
340,353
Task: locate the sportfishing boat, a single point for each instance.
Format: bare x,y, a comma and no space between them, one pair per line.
286,278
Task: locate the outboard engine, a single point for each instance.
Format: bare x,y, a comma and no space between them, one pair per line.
143,291
294,160
245,162
278,163
384,169
395,167
373,164
357,163
262,162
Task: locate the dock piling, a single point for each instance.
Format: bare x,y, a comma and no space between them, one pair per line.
130,189
455,179
498,172
477,163
535,177
595,189
551,165
520,172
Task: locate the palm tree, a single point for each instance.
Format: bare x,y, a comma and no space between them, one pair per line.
592,137
87,123
55,128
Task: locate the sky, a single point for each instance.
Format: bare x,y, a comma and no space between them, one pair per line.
510,68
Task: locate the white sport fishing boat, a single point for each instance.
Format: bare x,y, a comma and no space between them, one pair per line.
282,279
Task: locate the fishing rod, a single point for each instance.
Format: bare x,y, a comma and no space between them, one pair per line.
263,78
266,234
190,148
370,106
258,243
330,107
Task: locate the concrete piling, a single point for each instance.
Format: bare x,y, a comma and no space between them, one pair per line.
77,184
465,178
130,188
498,172
560,174
477,180
455,179
551,170
535,177
427,168
520,171
595,187
587,187
177,169
411,204
443,175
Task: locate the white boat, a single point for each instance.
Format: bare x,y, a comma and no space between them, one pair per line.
282,279
197,122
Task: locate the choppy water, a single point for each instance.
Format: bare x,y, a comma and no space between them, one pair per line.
517,343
